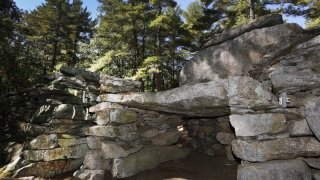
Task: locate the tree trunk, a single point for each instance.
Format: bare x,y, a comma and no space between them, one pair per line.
251,7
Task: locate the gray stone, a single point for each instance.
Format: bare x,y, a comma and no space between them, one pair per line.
256,124
275,170
312,111
312,162
126,132
33,130
68,111
147,158
102,117
148,132
237,56
95,143
44,141
94,160
104,106
259,151
210,99
110,84
225,138
72,142
299,71
300,128
85,174
258,23
117,149
48,169
70,152
167,138
123,116
87,75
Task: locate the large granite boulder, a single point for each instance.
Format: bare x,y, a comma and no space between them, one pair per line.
299,70
238,56
275,170
260,22
209,99
285,148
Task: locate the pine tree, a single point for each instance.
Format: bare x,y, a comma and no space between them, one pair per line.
56,28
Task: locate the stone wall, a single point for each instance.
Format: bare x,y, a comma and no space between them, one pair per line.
253,91
46,124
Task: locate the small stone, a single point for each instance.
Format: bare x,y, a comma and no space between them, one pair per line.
300,128
117,149
85,174
123,116
95,143
225,138
167,138
94,160
44,142
102,117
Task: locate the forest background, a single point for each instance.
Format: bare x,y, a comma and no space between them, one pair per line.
145,40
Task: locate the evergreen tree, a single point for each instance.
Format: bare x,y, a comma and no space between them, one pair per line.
56,28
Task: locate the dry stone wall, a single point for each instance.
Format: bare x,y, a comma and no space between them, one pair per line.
258,100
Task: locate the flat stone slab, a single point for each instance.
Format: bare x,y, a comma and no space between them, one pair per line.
110,84
211,99
285,148
48,169
256,124
275,170
126,132
71,152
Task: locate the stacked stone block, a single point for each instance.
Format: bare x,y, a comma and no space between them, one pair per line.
50,120
128,140
211,136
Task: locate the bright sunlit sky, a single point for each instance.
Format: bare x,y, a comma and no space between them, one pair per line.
93,4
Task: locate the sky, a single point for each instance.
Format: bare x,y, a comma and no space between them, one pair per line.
93,4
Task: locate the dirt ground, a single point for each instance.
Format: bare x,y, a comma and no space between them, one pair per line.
195,167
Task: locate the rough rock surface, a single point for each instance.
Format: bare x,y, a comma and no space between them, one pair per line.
90,174
127,132
312,112
146,158
118,149
286,148
94,160
256,124
275,170
238,56
299,70
204,99
260,22
48,169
